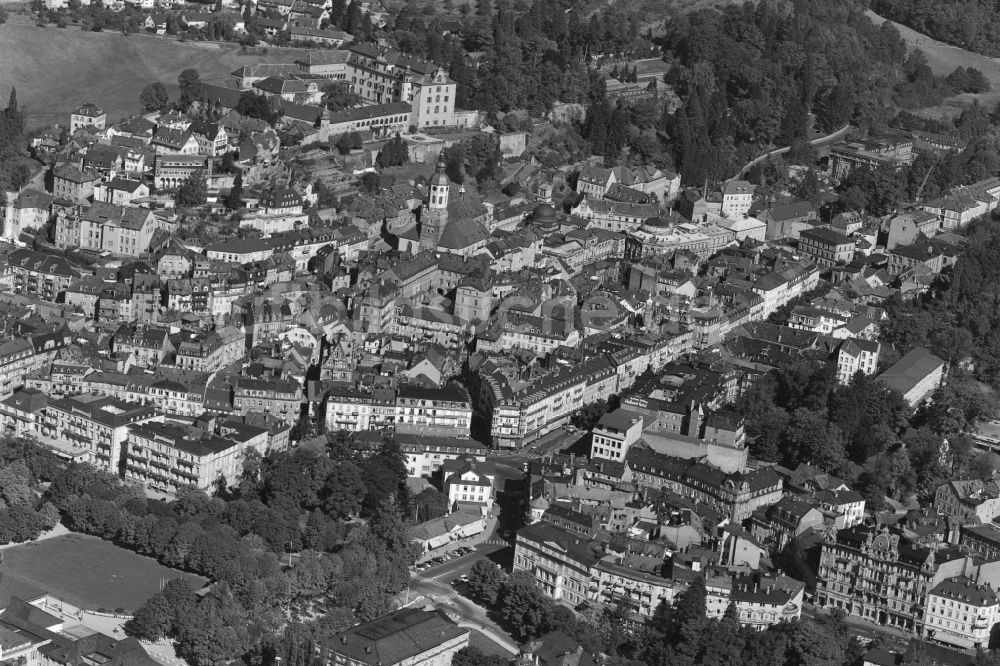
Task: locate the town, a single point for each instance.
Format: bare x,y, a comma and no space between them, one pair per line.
481,341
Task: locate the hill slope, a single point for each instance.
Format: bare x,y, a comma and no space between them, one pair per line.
55,70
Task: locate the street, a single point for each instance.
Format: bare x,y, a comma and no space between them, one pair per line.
434,585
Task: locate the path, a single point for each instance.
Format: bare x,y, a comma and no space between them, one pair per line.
57,531
818,142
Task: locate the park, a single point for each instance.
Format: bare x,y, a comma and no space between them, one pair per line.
84,571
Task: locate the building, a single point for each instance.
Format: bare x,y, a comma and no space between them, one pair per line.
970,500
170,171
88,115
760,599
41,274
106,227
615,433
917,375
962,613
29,211
869,154
433,411
826,247
149,346
73,184
857,355
407,637
383,76
96,425
560,561
379,121
879,576
167,457
787,220
736,198
468,481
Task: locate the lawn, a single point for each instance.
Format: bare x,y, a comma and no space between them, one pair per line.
943,59
84,571
55,70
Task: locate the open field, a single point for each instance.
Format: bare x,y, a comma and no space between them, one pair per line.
55,70
84,571
943,59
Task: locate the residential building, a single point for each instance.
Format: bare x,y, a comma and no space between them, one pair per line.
96,425
88,115
826,247
870,153
23,413
736,198
468,481
73,184
41,274
560,561
969,500
846,506
106,227
962,613
149,346
760,599
857,355
167,457
787,220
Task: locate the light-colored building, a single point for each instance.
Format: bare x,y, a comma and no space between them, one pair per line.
615,433
88,115
469,481
917,375
962,613
970,500
857,355
166,456
96,425
561,562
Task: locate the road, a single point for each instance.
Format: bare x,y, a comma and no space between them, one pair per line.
550,443
434,584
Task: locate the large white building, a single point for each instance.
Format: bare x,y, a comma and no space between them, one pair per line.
961,613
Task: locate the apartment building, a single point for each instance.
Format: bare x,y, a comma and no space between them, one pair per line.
826,247
615,433
149,346
278,397
96,425
407,637
857,355
444,411
969,500
560,561
40,274
166,456
208,351
468,480
106,227
962,613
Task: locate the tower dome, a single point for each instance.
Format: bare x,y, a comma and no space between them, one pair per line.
543,213
440,178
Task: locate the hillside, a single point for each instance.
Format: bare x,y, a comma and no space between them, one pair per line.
943,59
55,70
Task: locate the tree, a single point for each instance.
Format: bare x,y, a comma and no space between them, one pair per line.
348,141
371,183
486,581
154,96
343,491
189,83
337,96
473,656
393,153
192,192
234,201
524,606
153,621
588,416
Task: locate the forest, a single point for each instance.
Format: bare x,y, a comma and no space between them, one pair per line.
971,24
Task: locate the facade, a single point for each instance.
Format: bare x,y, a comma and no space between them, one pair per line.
615,433
560,561
826,247
88,115
468,481
877,575
96,425
962,613
969,500
106,227
857,355
167,457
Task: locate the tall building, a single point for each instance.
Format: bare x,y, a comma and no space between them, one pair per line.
434,215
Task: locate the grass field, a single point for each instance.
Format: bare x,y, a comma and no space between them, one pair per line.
943,59
55,70
84,571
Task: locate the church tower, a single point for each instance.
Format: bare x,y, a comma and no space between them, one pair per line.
434,216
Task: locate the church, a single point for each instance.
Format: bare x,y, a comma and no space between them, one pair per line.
447,223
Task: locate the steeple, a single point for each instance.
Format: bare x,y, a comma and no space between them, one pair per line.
439,187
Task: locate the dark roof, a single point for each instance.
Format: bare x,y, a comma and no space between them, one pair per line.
398,636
